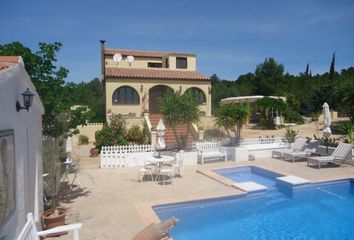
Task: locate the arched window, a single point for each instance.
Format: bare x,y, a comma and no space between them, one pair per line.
125,95
199,94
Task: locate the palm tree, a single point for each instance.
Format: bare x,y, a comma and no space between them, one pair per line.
189,113
232,117
169,111
179,109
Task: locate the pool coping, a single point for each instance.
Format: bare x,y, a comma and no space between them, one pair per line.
228,182
148,215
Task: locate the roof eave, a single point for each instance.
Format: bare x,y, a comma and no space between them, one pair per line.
162,78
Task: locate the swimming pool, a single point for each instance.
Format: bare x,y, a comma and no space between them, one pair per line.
247,174
314,211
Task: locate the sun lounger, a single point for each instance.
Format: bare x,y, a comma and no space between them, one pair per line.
338,156
298,145
309,149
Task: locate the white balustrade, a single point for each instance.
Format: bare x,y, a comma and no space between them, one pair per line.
245,141
262,140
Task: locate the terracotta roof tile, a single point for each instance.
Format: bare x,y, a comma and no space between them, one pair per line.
154,74
139,53
7,61
135,53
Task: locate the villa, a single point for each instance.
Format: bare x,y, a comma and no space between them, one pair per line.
134,82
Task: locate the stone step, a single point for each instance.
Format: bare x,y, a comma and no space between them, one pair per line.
169,133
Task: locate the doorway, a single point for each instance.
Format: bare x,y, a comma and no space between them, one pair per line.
155,95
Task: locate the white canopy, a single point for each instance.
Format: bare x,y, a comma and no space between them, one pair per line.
160,131
247,99
326,120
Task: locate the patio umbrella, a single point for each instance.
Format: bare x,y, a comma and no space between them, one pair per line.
160,131
327,123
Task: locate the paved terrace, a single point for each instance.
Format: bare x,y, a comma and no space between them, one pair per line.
113,204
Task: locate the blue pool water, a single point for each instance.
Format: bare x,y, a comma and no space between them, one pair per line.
248,174
321,211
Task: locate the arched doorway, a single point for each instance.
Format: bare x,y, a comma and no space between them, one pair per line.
155,94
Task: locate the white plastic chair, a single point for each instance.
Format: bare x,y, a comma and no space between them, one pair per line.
179,163
71,168
148,169
167,172
30,232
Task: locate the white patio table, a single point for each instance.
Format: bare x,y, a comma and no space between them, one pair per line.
160,160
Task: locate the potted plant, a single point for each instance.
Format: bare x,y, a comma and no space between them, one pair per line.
54,215
94,152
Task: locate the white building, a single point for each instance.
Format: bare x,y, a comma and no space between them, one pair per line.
20,149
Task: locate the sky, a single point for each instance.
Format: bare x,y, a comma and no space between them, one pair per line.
230,38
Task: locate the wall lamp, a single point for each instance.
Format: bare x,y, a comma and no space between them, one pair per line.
141,88
27,97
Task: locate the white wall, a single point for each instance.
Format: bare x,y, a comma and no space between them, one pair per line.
27,128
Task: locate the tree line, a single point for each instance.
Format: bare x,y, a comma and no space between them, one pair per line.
305,93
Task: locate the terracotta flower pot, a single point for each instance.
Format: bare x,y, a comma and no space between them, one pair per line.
94,152
50,221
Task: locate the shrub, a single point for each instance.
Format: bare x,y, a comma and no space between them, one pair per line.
116,134
120,140
108,137
347,129
293,117
330,142
145,132
118,124
83,139
105,137
290,135
135,135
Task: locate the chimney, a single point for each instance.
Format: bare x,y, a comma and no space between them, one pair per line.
103,67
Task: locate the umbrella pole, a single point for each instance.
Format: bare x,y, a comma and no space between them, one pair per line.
327,145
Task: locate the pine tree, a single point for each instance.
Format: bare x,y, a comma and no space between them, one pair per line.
332,70
307,70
